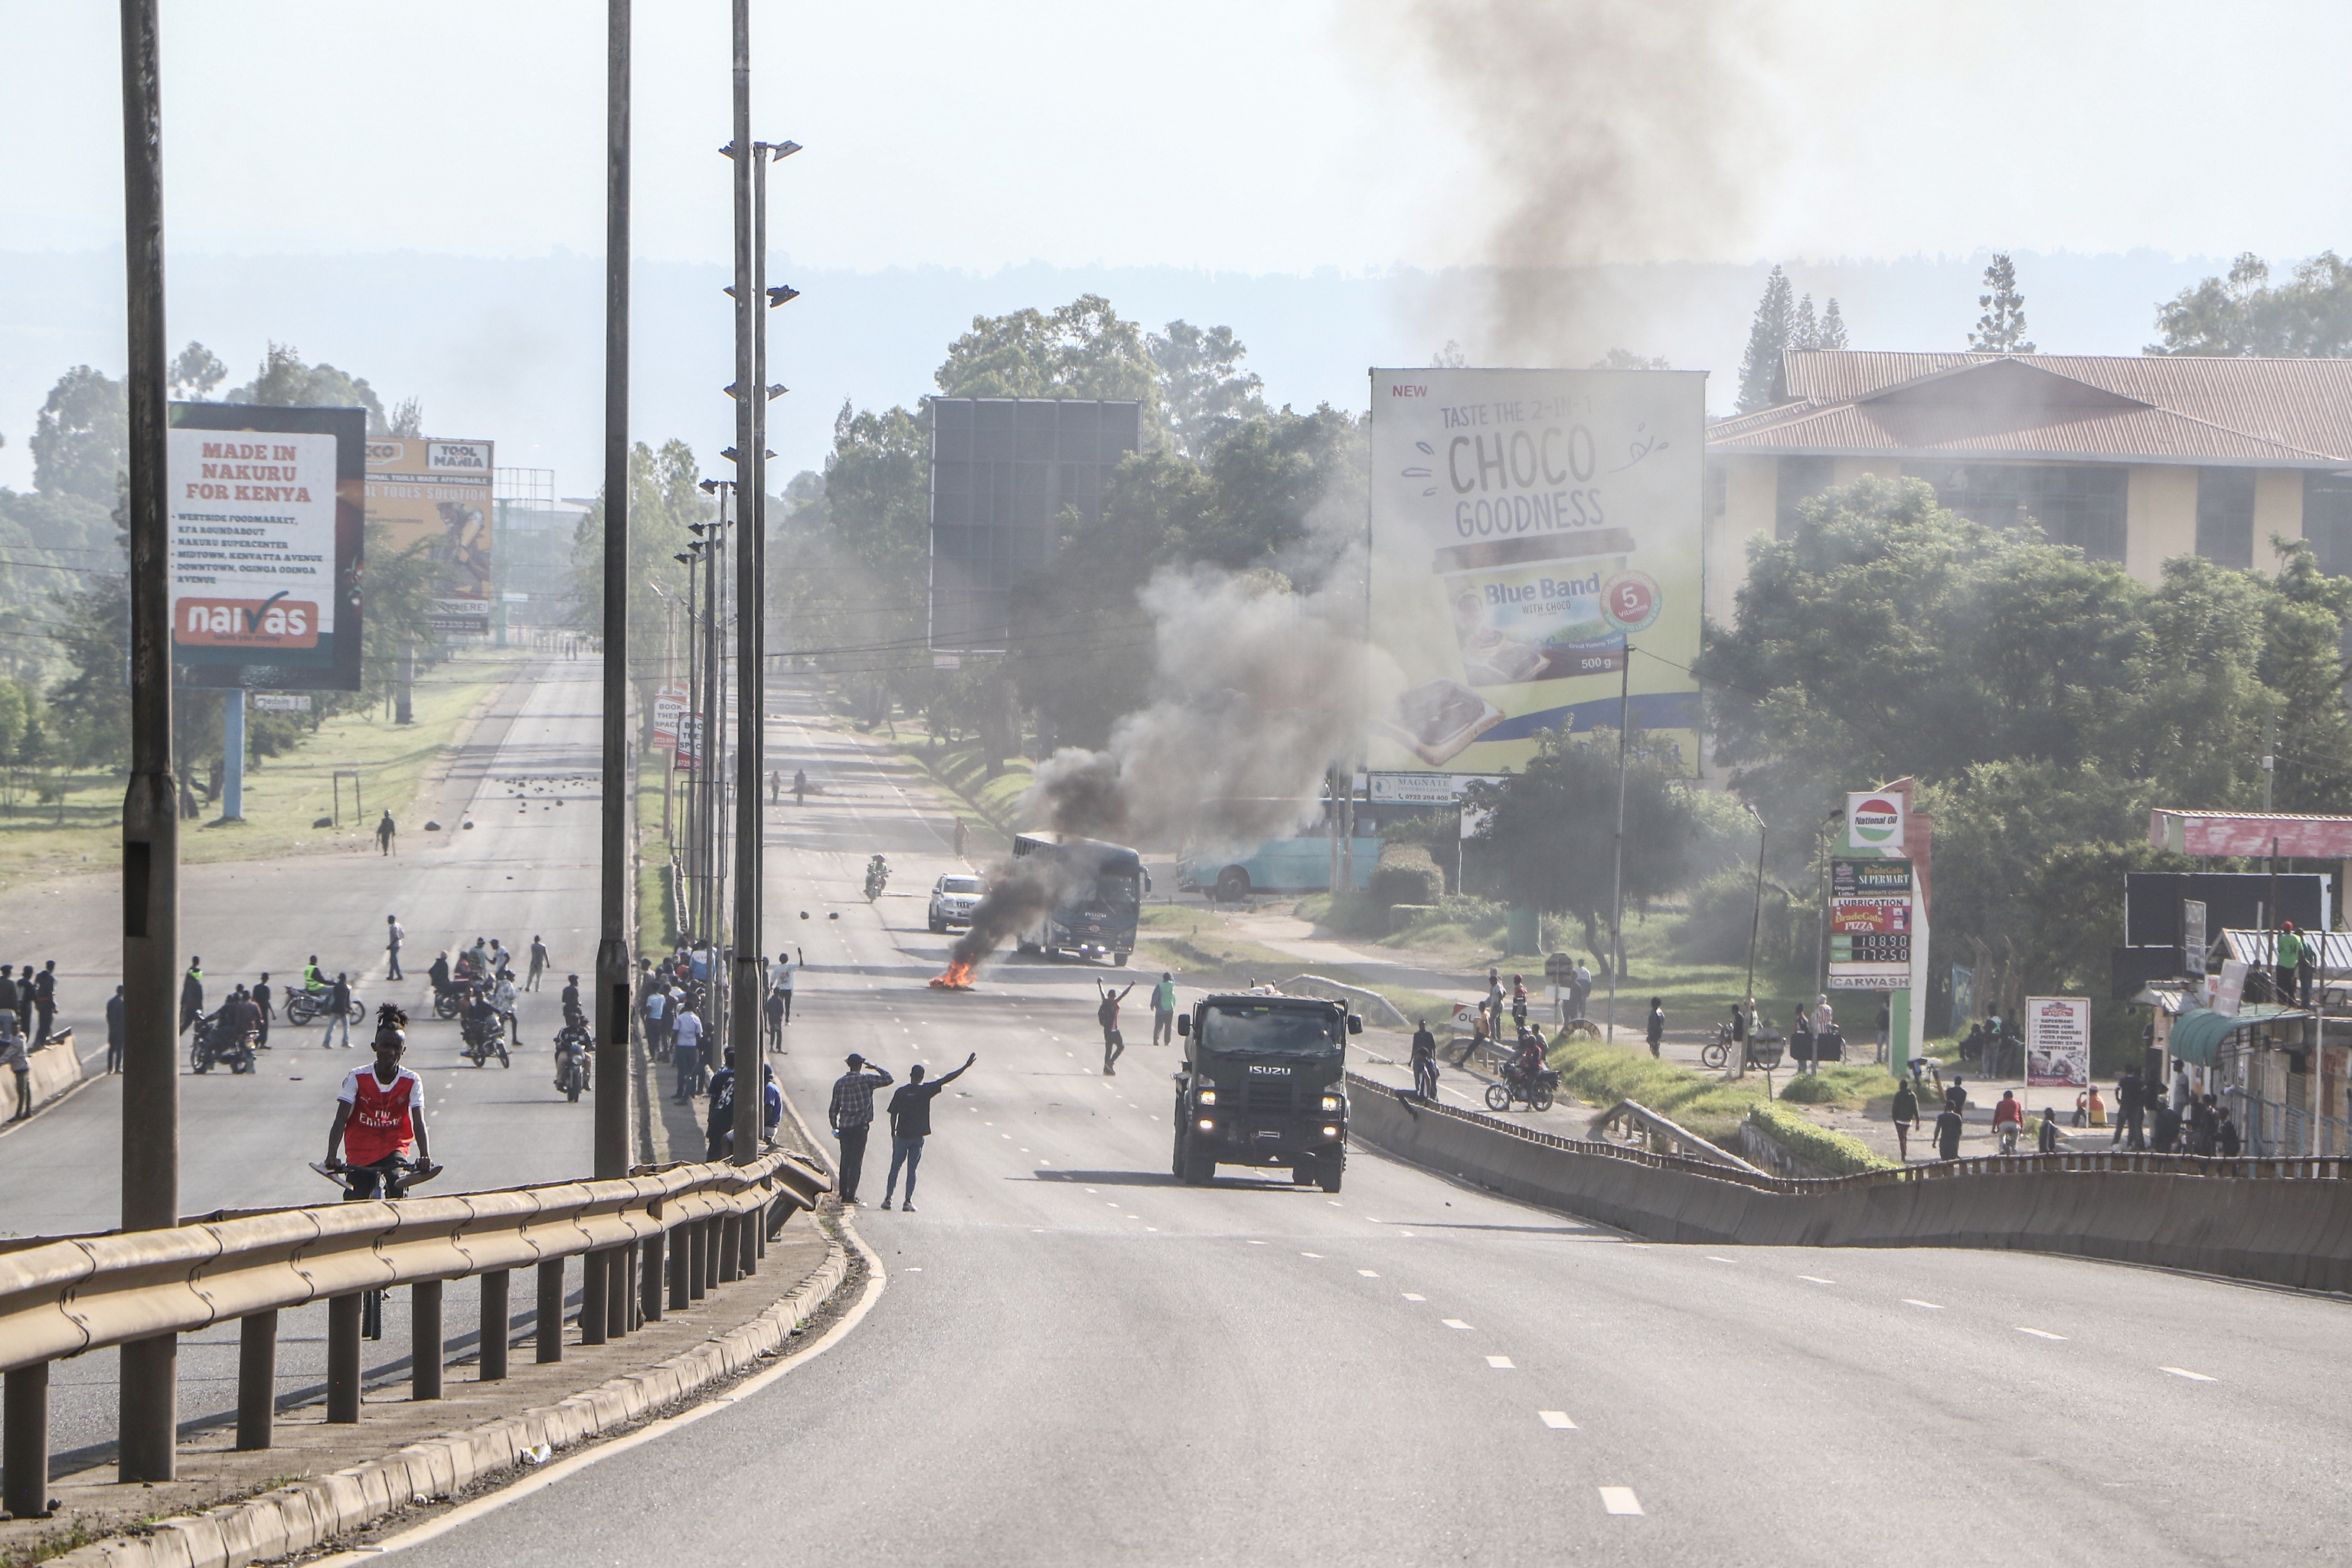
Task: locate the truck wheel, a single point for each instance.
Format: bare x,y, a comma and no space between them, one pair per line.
1119,959
1176,1159
1333,1165
1232,885
1194,1166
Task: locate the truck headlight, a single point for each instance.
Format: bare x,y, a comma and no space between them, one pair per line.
1330,1132
1208,1124
1208,1097
1331,1102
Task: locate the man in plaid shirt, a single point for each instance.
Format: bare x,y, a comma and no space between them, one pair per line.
852,1115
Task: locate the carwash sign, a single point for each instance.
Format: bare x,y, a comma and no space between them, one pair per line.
1873,821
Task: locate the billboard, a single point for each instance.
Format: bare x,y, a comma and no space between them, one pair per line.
2058,1042
434,492
1526,526
264,510
1003,469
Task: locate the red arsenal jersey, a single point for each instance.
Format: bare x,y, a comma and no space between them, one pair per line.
380,1123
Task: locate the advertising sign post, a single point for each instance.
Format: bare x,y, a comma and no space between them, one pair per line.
2058,1042
1526,526
438,494
1878,912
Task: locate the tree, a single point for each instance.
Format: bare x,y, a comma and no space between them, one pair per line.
1759,367
1450,357
2309,317
1626,359
1833,330
195,372
1550,832
1082,349
663,503
2001,329
1804,332
283,380
79,436
1202,384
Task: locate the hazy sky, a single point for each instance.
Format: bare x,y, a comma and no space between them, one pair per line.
1271,136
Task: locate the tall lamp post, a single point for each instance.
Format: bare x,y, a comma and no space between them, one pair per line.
1755,927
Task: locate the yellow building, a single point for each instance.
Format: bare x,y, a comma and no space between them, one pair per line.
2134,459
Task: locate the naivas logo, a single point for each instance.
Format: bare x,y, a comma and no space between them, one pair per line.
1874,819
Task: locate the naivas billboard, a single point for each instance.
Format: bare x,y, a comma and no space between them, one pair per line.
264,509
1528,529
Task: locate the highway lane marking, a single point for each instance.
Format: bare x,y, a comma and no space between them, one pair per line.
1456,1324
1816,1279
1555,1419
2040,1334
1252,1244
1368,1274
1711,1257
1619,1500
1411,1297
1406,1233
1310,1255
2184,1371
1501,1363
1931,1306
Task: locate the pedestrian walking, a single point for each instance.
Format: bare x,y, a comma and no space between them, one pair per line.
12,1051
911,1124
2226,1142
44,1003
773,1011
1992,1065
2046,1141
338,1011
1580,990
686,1050
1801,1034
114,1005
851,1116
1106,1014
540,963
1885,1024
1163,1010
787,965
1494,1004
192,994
962,831
264,999
392,937
776,787
1657,1027
2289,962
2204,1122
656,1009
800,787
1907,1117
1956,1094
2181,1096
1424,1060
2131,1098
384,832
24,1001
1948,1134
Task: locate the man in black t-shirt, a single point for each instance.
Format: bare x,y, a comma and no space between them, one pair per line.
911,1124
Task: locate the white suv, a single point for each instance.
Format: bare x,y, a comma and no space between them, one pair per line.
953,899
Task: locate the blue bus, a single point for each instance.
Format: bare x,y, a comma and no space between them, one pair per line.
1276,866
1096,893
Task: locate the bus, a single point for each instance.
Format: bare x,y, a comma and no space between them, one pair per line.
1300,863
1096,893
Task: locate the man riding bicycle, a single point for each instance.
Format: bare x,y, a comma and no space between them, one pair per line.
380,1118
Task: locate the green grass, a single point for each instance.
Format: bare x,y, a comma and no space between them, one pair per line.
657,930
1195,943
990,805
283,795
1823,1148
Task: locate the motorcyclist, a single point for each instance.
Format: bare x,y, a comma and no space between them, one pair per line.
572,1016
481,1021
440,975
227,1027
1527,1061
877,875
502,997
314,979
571,1049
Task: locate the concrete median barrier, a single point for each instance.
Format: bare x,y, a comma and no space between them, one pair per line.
2279,1222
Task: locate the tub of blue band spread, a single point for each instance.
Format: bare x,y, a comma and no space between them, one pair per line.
1538,608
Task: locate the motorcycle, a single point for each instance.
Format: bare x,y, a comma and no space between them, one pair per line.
210,1044
877,878
449,1000
302,1006
1536,1089
573,1051
484,1040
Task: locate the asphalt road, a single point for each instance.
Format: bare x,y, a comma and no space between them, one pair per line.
529,866
1077,1360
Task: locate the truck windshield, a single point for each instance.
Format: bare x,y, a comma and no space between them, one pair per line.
1271,1031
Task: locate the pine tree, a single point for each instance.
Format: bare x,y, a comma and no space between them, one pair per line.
1833,327
2001,329
1761,365
1805,332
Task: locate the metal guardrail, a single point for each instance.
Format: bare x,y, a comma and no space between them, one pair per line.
1637,1119
67,1296
2327,1168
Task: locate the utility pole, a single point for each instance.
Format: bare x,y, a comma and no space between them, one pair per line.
1755,929
147,1429
612,946
1617,894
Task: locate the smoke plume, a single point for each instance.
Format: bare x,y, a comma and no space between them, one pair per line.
1257,691
1610,132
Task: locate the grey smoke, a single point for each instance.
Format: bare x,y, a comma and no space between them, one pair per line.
1257,691
1609,131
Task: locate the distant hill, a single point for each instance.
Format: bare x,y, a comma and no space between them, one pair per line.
512,349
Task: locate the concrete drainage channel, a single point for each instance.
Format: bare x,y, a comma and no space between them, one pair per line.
2279,1222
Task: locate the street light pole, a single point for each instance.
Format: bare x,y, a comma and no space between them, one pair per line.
148,1419
612,1154
751,705
1617,896
1755,927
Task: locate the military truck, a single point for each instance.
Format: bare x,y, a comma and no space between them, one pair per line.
1264,1083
